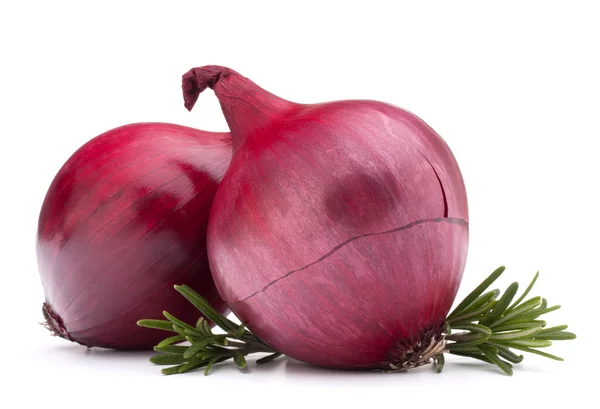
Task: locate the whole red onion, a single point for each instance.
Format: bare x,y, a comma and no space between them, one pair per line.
122,222
339,233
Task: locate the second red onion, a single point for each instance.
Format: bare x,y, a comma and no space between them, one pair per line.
123,221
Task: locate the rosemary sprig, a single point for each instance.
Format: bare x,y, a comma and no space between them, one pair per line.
484,326
492,327
205,347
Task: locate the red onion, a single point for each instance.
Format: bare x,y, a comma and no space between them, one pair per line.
339,233
124,219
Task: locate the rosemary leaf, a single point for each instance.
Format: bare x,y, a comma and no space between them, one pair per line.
168,359
518,312
157,324
556,336
476,328
181,331
171,340
440,361
239,359
468,317
480,301
194,364
502,304
524,342
478,291
210,364
178,322
550,330
514,334
194,349
171,349
206,309
515,325
207,329
207,354
200,344
507,354
452,348
194,333
541,353
533,314
171,370
491,353
522,297
470,340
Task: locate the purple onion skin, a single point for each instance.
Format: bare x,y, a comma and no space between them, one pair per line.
123,221
339,233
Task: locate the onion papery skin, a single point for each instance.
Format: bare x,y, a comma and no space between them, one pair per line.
339,233
122,222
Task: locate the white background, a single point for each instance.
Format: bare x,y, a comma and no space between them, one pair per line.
513,87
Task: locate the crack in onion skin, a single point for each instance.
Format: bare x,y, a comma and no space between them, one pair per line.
123,221
306,178
350,240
